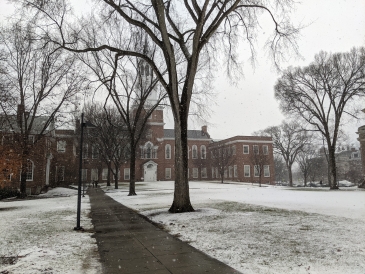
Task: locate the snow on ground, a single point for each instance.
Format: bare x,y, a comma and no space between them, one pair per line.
37,236
263,230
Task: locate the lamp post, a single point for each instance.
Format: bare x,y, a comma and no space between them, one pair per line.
89,125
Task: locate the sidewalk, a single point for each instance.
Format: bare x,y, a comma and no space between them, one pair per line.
130,244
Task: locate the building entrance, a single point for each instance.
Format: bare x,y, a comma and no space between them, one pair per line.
150,171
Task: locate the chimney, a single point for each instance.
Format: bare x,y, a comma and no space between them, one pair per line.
205,131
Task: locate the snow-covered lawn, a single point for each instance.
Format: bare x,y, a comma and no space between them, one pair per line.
264,230
37,236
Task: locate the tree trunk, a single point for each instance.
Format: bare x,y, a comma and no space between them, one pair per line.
332,177
132,172
23,175
116,179
181,201
290,173
109,172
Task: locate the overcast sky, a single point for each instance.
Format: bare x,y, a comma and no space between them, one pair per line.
333,26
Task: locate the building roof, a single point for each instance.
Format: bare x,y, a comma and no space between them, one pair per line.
12,125
192,134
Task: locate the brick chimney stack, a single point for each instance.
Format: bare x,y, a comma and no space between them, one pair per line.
205,131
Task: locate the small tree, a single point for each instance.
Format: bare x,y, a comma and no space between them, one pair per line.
260,161
222,156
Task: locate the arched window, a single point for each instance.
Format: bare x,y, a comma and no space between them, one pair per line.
168,151
203,152
30,168
194,152
148,151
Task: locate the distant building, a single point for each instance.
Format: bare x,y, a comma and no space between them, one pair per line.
361,139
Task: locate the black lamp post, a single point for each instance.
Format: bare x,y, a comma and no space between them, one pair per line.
89,125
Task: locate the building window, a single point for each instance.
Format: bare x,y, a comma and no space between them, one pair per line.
217,173
84,151
126,174
148,151
168,151
246,170
168,173
213,172
256,169
195,172
255,149
60,173
230,171
233,150
265,150
94,174
235,173
204,172
266,171
31,139
246,149
61,146
83,175
94,152
104,174
203,152
194,152
30,169
225,172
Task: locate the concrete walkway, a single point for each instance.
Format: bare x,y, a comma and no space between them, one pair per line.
128,243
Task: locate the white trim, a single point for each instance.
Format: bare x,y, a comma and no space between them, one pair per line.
248,141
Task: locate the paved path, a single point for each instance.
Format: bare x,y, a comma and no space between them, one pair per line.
128,243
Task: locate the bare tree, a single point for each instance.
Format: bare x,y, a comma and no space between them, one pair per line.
288,140
109,139
281,172
222,157
186,36
40,82
305,161
260,162
321,95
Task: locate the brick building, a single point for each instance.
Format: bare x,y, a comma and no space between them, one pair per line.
55,159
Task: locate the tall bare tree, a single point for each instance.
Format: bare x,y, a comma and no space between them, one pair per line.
186,36
40,81
305,160
321,94
288,140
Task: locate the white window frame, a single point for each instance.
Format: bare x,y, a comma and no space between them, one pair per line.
85,151
84,175
247,147
104,174
255,148
168,151
94,176
204,172
195,172
256,171
247,170
225,172
235,172
61,146
168,173
127,175
30,170
213,172
233,150
230,169
203,151
266,171
265,149
60,170
94,152
194,148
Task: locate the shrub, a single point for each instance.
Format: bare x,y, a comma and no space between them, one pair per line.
8,192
